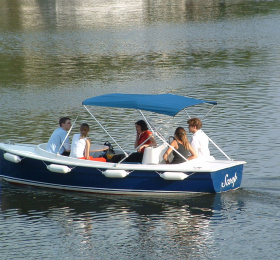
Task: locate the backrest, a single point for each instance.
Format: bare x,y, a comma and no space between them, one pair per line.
154,155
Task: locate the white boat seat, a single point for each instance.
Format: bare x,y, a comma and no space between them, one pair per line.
154,155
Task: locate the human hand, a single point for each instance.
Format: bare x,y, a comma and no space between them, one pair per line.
140,148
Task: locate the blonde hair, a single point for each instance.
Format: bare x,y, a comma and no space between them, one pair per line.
181,135
84,129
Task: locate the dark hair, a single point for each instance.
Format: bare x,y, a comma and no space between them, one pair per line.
62,120
181,135
84,129
195,122
142,124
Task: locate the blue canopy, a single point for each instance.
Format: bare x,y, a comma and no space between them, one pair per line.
167,104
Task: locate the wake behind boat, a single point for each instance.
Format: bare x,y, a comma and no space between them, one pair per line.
33,165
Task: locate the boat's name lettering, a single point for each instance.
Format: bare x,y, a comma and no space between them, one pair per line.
229,181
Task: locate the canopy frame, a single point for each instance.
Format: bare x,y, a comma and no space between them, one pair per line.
167,104
133,101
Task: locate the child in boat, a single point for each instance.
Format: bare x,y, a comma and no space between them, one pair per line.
81,145
182,145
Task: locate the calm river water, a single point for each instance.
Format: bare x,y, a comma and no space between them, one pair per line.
55,54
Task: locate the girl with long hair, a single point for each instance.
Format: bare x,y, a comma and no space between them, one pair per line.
81,145
182,145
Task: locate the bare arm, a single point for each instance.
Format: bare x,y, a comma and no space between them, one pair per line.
153,143
193,153
169,150
136,140
87,149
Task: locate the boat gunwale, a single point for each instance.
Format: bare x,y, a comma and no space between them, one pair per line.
75,162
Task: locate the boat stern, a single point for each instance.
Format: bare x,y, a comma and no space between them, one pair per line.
227,179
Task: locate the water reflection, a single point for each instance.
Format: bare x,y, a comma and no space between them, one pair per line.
43,40
100,14
182,221
138,225
28,199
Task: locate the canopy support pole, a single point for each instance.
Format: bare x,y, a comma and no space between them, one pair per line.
155,132
187,113
218,147
67,134
104,129
135,149
208,136
208,112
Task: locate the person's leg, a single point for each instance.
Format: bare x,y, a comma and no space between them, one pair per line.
116,158
65,153
135,157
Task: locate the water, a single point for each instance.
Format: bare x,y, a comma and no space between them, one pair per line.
55,54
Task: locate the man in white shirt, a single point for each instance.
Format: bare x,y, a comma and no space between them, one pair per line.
58,136
199,141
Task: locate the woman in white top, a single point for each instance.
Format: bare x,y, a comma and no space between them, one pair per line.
80,144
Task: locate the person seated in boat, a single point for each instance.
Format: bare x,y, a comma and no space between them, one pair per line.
182,145
144,139
81,145
58,137
199,140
